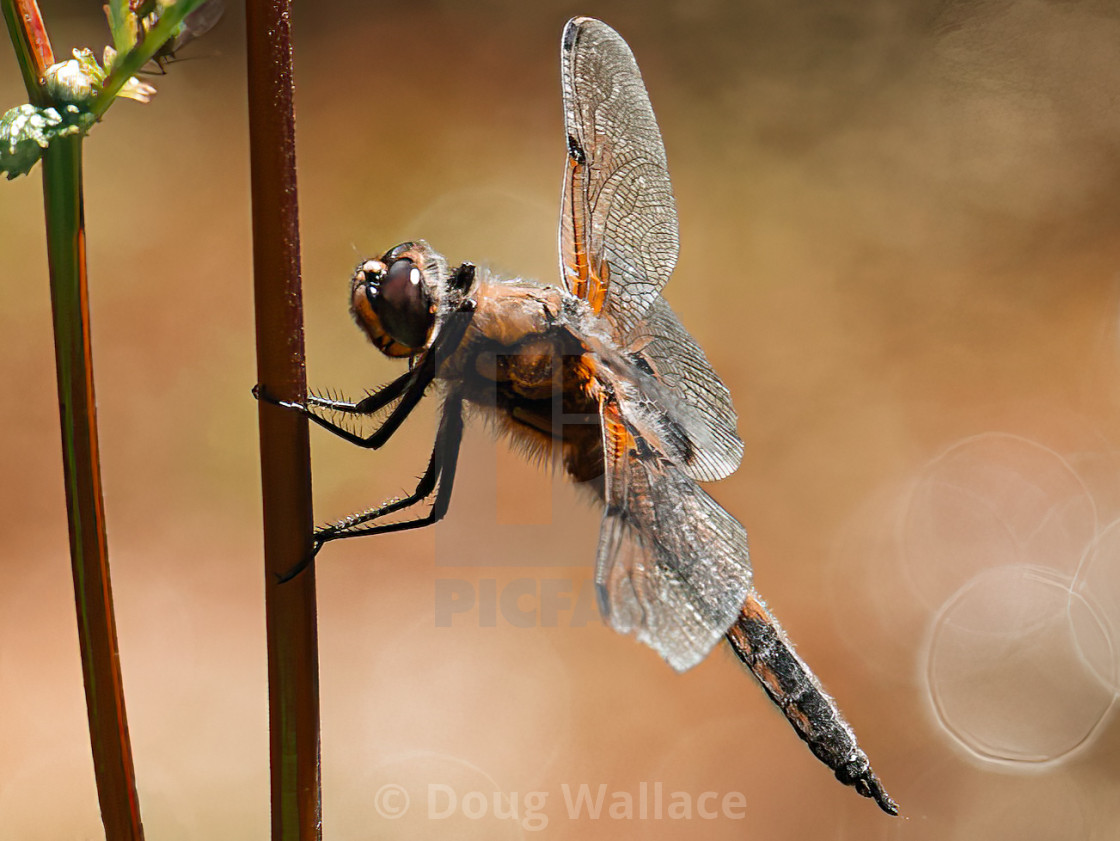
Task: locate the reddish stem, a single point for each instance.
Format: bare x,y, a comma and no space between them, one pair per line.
32,45
293,667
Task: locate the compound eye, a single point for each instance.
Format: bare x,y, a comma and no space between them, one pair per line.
403,305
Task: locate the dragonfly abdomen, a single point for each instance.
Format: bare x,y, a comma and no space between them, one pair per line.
760,643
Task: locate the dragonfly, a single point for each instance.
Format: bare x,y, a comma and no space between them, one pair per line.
598,374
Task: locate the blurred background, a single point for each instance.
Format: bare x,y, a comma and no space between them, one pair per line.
898,239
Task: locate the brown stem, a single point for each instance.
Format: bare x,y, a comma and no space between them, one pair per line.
285,458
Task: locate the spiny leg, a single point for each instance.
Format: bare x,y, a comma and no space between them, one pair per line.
412,385
369,404
409,387
441,470
760,643
416,384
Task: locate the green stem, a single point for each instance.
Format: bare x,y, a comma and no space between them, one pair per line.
112,754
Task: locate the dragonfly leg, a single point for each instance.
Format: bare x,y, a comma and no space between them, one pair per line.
409,387
438,477
369,404
415,384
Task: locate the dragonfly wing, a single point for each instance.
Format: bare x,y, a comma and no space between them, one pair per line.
618,220
673,566
661,347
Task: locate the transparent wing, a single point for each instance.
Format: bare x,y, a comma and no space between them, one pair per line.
200,21
661,346
673,566
618,220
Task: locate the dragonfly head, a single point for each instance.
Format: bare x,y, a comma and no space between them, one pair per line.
395,297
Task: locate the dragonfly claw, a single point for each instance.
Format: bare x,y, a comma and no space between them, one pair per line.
305,562
263,394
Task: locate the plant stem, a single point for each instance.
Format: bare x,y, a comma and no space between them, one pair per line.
97,633
30,41
293,664
32,46
85,510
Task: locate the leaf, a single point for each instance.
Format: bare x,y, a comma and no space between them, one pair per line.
26,130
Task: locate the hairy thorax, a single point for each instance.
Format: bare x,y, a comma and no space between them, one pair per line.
522,363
